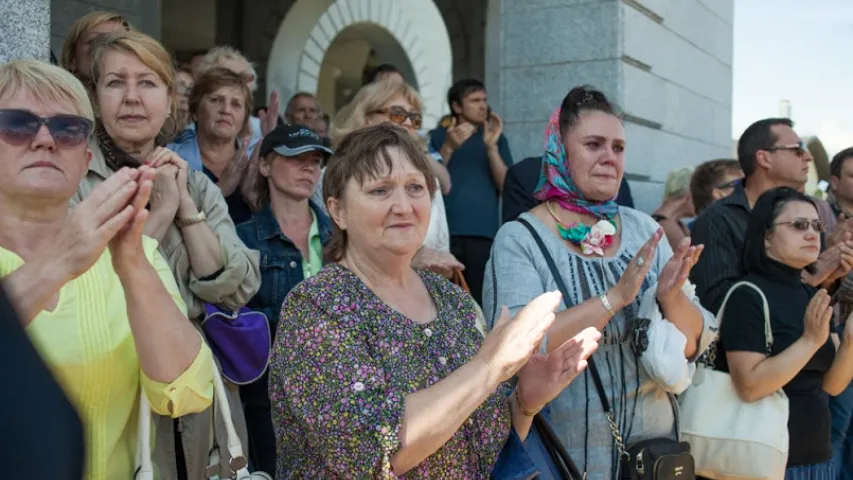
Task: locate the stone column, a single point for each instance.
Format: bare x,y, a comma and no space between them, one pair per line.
25,29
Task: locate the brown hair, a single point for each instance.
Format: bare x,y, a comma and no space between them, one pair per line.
151,53
362,155
81,27
706,177
214,79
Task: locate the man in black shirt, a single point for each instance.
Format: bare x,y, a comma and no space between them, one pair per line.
771,155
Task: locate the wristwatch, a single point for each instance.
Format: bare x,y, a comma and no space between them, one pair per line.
192,220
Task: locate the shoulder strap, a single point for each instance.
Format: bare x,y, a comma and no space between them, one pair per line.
593,370
768,332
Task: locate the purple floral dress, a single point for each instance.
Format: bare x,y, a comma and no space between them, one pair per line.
343,364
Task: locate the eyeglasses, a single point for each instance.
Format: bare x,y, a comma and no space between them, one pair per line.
730,184
799,148
19,127
399,115
803,224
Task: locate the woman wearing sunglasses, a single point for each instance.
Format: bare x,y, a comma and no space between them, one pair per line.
94,294
783,238
135,90
398,103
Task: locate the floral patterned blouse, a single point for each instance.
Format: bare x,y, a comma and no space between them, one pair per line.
343,364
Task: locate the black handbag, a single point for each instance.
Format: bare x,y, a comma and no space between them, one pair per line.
652,459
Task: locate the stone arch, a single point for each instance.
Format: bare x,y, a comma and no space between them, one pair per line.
310,27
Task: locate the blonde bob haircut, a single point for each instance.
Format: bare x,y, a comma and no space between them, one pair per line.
47,83
678,183
149,51
81,27
369,99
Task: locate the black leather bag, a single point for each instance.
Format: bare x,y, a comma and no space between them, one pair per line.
652,459
659,459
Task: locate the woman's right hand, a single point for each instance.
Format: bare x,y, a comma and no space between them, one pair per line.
817,319
629,285
512,341
94,222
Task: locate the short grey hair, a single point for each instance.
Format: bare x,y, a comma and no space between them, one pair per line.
216,55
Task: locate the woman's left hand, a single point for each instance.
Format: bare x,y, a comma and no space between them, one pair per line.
545,376
162,156
677,269
126,246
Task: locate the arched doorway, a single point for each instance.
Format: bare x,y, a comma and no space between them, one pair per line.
355,50
411,32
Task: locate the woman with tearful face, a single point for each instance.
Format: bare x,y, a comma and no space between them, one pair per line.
609,257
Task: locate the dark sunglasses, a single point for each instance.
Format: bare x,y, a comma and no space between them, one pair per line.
799,148
803,224
399,115
18,127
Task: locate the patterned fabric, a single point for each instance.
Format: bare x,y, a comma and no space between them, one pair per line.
517,273
555,182
343,364
821,471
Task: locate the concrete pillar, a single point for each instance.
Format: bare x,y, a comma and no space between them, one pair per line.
667,65
25,29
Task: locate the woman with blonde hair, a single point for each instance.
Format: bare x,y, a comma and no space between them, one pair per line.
677,205
388,101
76,50
135,90
94,294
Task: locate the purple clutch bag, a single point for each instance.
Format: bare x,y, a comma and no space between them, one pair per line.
241,342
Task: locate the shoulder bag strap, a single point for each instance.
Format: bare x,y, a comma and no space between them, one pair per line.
144,469
768,332
593,370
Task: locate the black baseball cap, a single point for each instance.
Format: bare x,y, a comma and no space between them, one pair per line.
293,140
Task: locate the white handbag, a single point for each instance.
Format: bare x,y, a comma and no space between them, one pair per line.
239,464
731,439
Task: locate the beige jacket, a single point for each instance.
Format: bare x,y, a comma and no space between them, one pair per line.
232,289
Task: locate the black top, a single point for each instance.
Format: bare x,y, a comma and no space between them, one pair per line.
742,329
238,209
42,434
521,181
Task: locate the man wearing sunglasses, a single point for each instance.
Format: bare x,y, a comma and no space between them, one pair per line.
771,155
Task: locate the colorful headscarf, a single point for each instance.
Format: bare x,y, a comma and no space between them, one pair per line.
555,181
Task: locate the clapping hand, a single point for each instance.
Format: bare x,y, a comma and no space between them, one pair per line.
817,318
629,285
512,340
95,221
126,246
458,133
545,376
492,130
677,270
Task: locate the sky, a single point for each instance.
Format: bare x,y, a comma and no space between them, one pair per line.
795,50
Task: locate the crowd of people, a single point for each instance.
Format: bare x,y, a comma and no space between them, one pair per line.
432,308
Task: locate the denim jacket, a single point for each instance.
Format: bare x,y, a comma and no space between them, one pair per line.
281,261
281,270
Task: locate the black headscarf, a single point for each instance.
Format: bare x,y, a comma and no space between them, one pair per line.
764,214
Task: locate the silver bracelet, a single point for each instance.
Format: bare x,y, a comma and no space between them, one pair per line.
606,304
